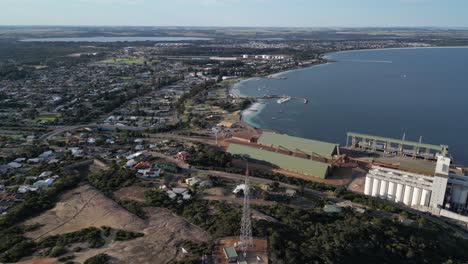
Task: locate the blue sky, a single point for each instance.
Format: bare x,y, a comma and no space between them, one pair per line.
287,13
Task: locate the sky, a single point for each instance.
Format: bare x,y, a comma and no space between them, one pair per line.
245,13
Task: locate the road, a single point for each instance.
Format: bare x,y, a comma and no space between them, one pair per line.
92,125
240,177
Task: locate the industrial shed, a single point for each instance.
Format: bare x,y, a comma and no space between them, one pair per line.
296,144
290,163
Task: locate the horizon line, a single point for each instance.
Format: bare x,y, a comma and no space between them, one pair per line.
274,27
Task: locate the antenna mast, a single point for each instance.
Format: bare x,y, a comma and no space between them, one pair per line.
246,240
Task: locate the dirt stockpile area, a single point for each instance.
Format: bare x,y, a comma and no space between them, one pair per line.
87,207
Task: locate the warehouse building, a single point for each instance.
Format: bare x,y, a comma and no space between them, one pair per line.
299,145
286,162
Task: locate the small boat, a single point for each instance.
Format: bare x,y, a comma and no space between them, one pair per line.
273,118
283,99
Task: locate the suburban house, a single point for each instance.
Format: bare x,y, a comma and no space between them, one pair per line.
182,155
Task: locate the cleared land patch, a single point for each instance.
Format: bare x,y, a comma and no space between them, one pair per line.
132,193
87,207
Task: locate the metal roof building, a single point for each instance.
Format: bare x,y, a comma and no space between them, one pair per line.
290,163
295,144
231,254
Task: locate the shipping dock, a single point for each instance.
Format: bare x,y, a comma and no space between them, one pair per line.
282,98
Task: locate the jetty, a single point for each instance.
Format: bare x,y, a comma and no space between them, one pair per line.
274,96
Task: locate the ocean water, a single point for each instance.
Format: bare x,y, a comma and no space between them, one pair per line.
417,92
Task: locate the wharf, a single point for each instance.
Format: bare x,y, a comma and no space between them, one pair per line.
305,100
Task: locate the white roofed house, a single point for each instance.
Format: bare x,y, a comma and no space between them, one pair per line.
35,160
14,165
4,169
26,188
53,161
150,173
199,182
192,181
46,155
239,188
130,163
171,194
43,183
178,192
134,156
76,152
45,174
139,147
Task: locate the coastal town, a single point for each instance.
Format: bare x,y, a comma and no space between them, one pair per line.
136,152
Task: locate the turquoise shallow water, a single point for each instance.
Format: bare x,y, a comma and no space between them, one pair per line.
419,92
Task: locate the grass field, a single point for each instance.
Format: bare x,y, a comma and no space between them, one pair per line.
126,61
13,136
45,118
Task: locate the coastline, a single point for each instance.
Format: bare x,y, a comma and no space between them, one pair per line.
256,107
377,49
251,112
254,110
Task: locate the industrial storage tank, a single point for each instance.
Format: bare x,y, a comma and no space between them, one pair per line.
383,189
399,193
368,186
425,197
416,196
375,187
408,195
391,191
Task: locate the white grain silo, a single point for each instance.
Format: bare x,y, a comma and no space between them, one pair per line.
391,191
383,189
368,186
425,197
375,187
408,195
399,193
416,196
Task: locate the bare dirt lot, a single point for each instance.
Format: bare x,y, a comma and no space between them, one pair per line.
86,207
132,193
